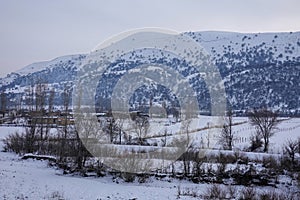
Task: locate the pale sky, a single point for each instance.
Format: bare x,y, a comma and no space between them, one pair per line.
35,30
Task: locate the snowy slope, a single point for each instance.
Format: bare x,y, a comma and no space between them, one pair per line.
257,69
72,60
39,66
215,42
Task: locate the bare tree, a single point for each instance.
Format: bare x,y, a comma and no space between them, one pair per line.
120,122
208,135
298,142
30,132
185,129
186,156
227,134
86,133
36,95
40,97
18,102
198,160
141,126
265,122
65,129
3,103
112,129
164,139
50,110
120,118
290,149
40,102
51,101
29,97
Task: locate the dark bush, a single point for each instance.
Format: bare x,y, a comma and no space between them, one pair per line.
128,177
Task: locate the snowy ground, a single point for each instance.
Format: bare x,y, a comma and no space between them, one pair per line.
31,179
288,129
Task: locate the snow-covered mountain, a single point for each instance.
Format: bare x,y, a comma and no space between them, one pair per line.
258,69
57,74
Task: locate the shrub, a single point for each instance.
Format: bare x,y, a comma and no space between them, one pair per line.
273,195
15,142
56,195
248,193
186,192
231,191
270,162
128,177
256,143
215,192
225,159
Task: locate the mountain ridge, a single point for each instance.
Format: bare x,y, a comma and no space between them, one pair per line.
258,69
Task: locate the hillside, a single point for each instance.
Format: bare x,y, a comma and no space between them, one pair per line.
258,69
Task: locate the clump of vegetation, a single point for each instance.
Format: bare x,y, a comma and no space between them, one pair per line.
56,195
215,192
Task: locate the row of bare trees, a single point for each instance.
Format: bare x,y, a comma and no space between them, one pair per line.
37,137
265,122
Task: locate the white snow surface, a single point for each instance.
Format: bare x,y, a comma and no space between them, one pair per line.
33,179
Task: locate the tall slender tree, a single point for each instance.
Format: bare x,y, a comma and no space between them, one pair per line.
227,134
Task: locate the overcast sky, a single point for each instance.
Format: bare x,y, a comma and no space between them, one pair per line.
35,30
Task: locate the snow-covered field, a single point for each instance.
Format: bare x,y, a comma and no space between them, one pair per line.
32,179
288,129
